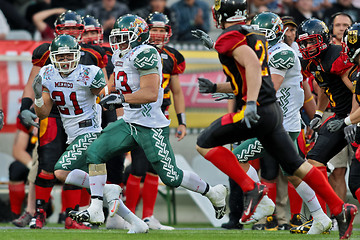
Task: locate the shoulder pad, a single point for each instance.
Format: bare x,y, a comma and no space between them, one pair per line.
282,60
146,59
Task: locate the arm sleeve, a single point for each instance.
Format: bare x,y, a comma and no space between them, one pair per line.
229,41
99,80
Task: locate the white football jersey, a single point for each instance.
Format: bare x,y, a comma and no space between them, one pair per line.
284,61
127,80
77,105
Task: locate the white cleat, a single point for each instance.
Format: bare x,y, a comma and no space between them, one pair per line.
265,208
320,225
112,195
138,226
154,224
117,222
217,196
94,214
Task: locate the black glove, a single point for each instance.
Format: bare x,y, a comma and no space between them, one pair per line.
250,115
350,132
37,86
1,119
112,101
203,37
222,96
335,125
27,118
357,134
315,123
206,86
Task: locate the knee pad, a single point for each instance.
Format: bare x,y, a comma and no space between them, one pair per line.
18,172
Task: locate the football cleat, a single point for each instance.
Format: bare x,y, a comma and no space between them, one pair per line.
217,196
153,223
265,208
303,228
23,220
94,214
72,224
112,195
138,226
258,227
345,220
38,221
251,201
117,222
271,223
295,221
322,225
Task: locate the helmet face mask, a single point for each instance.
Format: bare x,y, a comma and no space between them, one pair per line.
352,41
129,31
69,23
313,38
93,31
160,29
65,53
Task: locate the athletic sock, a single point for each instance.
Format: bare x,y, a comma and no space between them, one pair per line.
308,195
252,173
193,182
78,178
43,185
320,199
85,197
316,180
272,189
132,192
149,194
226,162
70,197
16,196
295,201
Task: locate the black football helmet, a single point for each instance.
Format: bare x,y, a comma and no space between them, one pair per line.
70,23
92,24
352,41
315,32
159,20
229,11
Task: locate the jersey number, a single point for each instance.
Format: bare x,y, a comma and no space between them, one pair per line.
60,102
259,46
122,77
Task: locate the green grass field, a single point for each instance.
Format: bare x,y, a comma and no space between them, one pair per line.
184,231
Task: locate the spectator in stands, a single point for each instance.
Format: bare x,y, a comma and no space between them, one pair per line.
46,30
78,5
107,11
133,5
37,6
345,6
257,6
302,10
339,23
4,30
14,18
191,15
158,6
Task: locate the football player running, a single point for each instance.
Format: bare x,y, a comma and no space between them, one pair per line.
137,76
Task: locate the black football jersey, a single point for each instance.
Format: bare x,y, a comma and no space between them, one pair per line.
90,55
233,37
173,63
109,66
354,76
327,70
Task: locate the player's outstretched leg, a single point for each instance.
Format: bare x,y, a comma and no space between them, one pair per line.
345,220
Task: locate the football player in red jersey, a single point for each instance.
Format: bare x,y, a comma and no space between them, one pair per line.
243,53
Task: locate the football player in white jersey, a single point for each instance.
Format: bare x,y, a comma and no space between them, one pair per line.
137,76
73,87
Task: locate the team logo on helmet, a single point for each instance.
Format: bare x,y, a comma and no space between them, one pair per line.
352,36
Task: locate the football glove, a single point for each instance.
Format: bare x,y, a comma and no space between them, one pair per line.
250,114
350,132
37,86
206,86
315,123
204,38
112,101
222,96
27,118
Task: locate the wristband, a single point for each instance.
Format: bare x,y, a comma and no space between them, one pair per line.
181,119
319,113
39,102
106,89
29,165
214,88
26,104
347,121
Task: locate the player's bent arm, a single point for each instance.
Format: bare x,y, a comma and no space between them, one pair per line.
277,80
19,148
347,81
309,103
28,90
322,101
224,87
179,100
44,111
247,58
148,92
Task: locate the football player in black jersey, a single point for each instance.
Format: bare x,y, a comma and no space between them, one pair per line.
173,65
52,138
243,53
352,40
